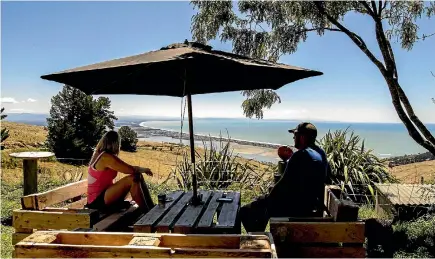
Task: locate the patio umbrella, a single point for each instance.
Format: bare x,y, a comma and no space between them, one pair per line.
180,69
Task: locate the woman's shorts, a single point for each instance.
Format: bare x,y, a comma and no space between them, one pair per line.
98,203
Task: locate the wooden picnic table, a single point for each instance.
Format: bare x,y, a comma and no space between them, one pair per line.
179,216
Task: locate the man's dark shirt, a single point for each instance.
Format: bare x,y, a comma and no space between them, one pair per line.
301,189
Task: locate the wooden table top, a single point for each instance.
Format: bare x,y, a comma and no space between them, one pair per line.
32,155
178,216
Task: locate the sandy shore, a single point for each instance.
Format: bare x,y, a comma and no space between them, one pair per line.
260,151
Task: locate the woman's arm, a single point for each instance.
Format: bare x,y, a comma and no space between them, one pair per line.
117,164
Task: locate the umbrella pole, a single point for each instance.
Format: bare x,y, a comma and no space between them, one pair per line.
195,198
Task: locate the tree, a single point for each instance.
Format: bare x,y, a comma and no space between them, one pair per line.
4,132
77,122
128,138
269,29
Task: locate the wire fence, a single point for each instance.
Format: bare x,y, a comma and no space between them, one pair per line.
414,194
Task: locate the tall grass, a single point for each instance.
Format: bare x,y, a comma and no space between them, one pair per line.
354,168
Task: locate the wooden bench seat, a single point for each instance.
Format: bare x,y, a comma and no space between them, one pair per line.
67,244
36,213
338,234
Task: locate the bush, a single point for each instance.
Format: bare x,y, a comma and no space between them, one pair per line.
415,238
76,123
128,138
353,167
220,168
4,132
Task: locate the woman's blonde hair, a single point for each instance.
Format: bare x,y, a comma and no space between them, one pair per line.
109,143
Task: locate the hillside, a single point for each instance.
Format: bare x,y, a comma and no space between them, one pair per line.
162,157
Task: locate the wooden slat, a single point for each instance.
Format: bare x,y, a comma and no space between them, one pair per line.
169,220
32,250
144,241
99,238
308,219
206,220
340,208
115,218
228,215
190,217
149,221
52,219
17,237
80,204
201,241
222,253
39,201
317,232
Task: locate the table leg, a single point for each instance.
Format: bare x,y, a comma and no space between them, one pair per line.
30,167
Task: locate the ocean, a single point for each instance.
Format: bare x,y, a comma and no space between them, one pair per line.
385,139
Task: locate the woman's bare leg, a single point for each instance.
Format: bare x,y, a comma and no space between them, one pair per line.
121,188
146,193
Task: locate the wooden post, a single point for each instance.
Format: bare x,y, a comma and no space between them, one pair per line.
422,180
30,167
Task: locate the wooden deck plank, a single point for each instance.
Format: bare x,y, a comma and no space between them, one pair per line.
206,220
201,241
219,253
116,218
318,232
187,221
149,221
228,215
53,219
39,201
167,222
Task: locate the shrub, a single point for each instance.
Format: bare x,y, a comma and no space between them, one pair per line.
76,123
220,168
415,238
4,132
128,138
353,167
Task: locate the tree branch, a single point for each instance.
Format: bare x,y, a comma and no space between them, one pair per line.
369,10
353,36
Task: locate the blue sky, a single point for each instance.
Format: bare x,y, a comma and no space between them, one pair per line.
43,37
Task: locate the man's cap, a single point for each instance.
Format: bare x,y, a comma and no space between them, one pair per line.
305,128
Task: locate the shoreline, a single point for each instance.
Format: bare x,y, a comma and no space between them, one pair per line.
150,132
147,132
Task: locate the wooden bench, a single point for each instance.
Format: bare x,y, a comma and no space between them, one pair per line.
36,213
66,244
338,234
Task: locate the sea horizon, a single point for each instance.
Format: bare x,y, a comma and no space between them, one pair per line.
385,139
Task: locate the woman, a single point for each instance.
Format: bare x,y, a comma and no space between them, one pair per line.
104,167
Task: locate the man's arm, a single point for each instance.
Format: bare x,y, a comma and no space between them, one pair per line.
288,182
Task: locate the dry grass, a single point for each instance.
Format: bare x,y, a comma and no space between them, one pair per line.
24,135
412,173
161,158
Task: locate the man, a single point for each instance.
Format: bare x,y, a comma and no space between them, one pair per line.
300,191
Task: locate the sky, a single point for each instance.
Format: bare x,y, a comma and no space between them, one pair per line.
44,37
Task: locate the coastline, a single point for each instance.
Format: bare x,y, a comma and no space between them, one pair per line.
257,150
146,132
260,151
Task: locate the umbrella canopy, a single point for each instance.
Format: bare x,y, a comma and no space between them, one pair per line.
178,70
181,70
